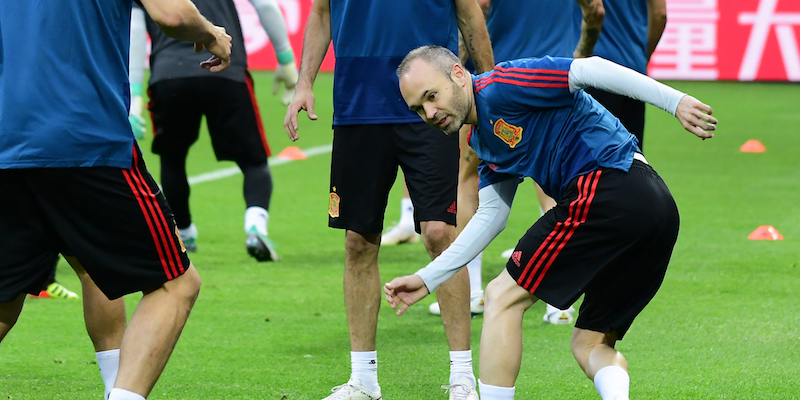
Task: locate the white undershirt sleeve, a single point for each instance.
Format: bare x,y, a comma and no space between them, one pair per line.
606,75
490,219
138,49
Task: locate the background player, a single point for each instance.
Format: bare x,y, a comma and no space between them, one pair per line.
374,132
180,95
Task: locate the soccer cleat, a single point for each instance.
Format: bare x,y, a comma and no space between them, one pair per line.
475,305
352,390
558,317
260,247
55,290
190,244
461,391
399,234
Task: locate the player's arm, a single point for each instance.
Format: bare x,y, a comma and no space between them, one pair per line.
136,61
606,75
476,37
181,20
485,225
593,16
656,22
271,17
467,180
316,40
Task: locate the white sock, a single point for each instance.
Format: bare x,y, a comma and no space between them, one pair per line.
552,309
489,392
108,362
475,281
122,394
461,368
188,233
364,366
406,213
256,217
612,382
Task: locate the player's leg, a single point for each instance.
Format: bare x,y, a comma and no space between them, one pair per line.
105,322
28,246
177,109
404,231
430,163
9,313
237,134
467,204
601,363
363,170
151,258
501,337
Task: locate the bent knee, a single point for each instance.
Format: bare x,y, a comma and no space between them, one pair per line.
503,293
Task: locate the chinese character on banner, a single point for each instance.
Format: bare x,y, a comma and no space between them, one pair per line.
771,24
688,47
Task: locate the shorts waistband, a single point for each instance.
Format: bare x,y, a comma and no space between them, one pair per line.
640,157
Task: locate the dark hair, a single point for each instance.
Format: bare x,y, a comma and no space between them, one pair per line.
437,56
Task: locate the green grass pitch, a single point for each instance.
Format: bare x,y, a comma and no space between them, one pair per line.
725,325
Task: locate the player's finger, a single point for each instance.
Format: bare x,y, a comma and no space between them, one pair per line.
198,47
310,110
403,308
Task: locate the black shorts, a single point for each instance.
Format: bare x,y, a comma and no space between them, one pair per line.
116,222
364,168
177,107
610,237
629,112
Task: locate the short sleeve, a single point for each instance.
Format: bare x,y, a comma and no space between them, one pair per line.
487,175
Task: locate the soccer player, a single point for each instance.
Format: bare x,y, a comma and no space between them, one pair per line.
631,31
534,28
180,95
72,179
615,224
373,134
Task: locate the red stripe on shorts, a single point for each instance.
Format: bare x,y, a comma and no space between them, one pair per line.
167,236
148,220
561,234
251,90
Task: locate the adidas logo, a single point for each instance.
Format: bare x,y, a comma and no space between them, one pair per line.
516,256
452,209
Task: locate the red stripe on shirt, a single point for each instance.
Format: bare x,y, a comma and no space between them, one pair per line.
521,83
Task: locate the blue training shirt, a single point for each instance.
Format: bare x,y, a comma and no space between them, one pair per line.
530,125
532,28
64,91
370,38
623,38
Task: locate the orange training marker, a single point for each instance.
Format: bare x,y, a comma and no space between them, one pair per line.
765,232
753,146
292,153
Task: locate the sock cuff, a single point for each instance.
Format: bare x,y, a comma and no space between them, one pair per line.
106,354
461,355
364,355
122,394
612,371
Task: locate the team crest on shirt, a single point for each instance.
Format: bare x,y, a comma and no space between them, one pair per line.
333,207
508,133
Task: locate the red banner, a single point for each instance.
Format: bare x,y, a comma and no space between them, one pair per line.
704,39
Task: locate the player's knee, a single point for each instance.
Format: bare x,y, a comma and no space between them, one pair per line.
437,235
188,285
359,246
503,294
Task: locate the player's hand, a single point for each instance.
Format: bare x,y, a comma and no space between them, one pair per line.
696,117
404,291
135,117
303,100
220,49
285,75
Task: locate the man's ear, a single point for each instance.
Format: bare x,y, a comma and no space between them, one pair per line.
458,74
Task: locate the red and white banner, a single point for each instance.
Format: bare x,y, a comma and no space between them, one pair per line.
704,39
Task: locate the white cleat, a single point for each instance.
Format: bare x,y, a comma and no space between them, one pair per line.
352,390
558,317
507,254
475,305
399,234
461,391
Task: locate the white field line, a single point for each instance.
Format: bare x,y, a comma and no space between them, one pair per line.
273,162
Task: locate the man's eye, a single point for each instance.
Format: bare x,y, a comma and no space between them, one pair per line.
432,96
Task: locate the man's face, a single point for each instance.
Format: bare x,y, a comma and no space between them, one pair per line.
437,98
